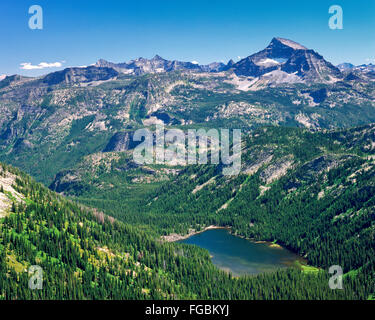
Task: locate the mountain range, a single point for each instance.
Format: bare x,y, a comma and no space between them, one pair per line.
282,61
49,118
101,228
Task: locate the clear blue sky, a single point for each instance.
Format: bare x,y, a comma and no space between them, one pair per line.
78,32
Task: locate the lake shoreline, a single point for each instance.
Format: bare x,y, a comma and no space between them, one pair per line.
174,237
300,262
244,256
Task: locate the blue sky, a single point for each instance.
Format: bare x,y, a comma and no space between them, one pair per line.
77,33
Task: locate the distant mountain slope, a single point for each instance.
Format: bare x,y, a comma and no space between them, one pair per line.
364,72
270,153
48,124
157,64
52,122
345,66
286,56
79,75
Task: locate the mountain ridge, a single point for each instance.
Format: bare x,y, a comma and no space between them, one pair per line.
282,61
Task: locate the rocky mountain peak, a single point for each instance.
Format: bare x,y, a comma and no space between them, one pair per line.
281,42
286,59
230,63
101,62
158,58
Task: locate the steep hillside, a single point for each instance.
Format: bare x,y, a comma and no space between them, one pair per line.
86,255
55,126
311,192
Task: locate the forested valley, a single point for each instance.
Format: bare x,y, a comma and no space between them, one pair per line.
321,206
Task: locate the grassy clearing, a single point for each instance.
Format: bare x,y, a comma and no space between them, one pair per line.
306,268
352,273
13,263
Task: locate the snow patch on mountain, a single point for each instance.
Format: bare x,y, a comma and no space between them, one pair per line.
268,62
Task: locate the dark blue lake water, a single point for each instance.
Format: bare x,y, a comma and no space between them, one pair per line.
240,256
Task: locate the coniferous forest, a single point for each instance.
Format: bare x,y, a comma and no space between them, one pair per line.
327,217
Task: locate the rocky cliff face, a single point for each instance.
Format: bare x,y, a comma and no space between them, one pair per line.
121,141
289,57
80,75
